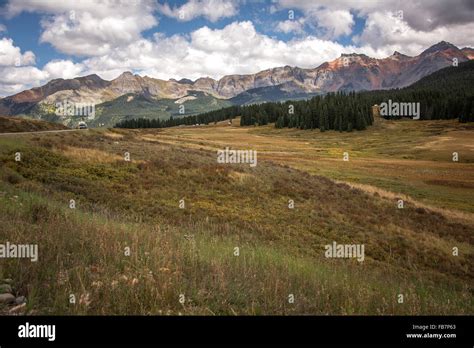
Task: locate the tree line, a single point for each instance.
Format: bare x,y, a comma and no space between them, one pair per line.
338,111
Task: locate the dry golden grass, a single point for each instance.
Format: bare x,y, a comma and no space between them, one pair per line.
113,135
404,157
90,155
241,177
394,197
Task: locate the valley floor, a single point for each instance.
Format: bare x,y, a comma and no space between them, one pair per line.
413,159
173,232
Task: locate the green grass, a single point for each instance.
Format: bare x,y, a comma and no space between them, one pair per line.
190,251
84,254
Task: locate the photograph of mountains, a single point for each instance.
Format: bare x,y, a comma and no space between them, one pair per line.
236,157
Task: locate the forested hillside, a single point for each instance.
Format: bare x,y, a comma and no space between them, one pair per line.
445,94
338,111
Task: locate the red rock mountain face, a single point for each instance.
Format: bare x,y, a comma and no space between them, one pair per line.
348,72
469,52
359,72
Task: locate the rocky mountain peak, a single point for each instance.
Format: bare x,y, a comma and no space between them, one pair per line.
397,55
92,81
126,75
354,55
440,46
185,81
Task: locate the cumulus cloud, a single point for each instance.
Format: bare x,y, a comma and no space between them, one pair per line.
291,26
419,22
235,49
426,15
327,23
89,27
24,75
11,55
64,69
335,23
14,79
17,70
421,15
386,29
212,10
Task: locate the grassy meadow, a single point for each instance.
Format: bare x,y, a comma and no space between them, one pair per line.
158,234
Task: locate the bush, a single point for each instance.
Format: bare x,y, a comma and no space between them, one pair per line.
12,177
40,212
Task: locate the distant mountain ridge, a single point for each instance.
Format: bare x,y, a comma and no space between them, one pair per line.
349,72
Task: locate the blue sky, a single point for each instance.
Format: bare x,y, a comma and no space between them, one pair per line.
45,39
25,28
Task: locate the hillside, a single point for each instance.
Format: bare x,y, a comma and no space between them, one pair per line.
445,94
15,124
143,106
269,94
133,105
450,78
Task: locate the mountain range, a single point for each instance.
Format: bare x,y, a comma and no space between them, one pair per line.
130,94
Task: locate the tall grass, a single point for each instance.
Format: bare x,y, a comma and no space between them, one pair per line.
84,254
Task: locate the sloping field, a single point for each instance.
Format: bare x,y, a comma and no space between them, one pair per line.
15,124
172,231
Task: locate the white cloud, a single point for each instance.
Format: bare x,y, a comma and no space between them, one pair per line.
235,49
421,14
11,55
16,79
291,26
89,27
24,75
64,69
335,23
213,10
420,26
17,70
327,23
385,29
